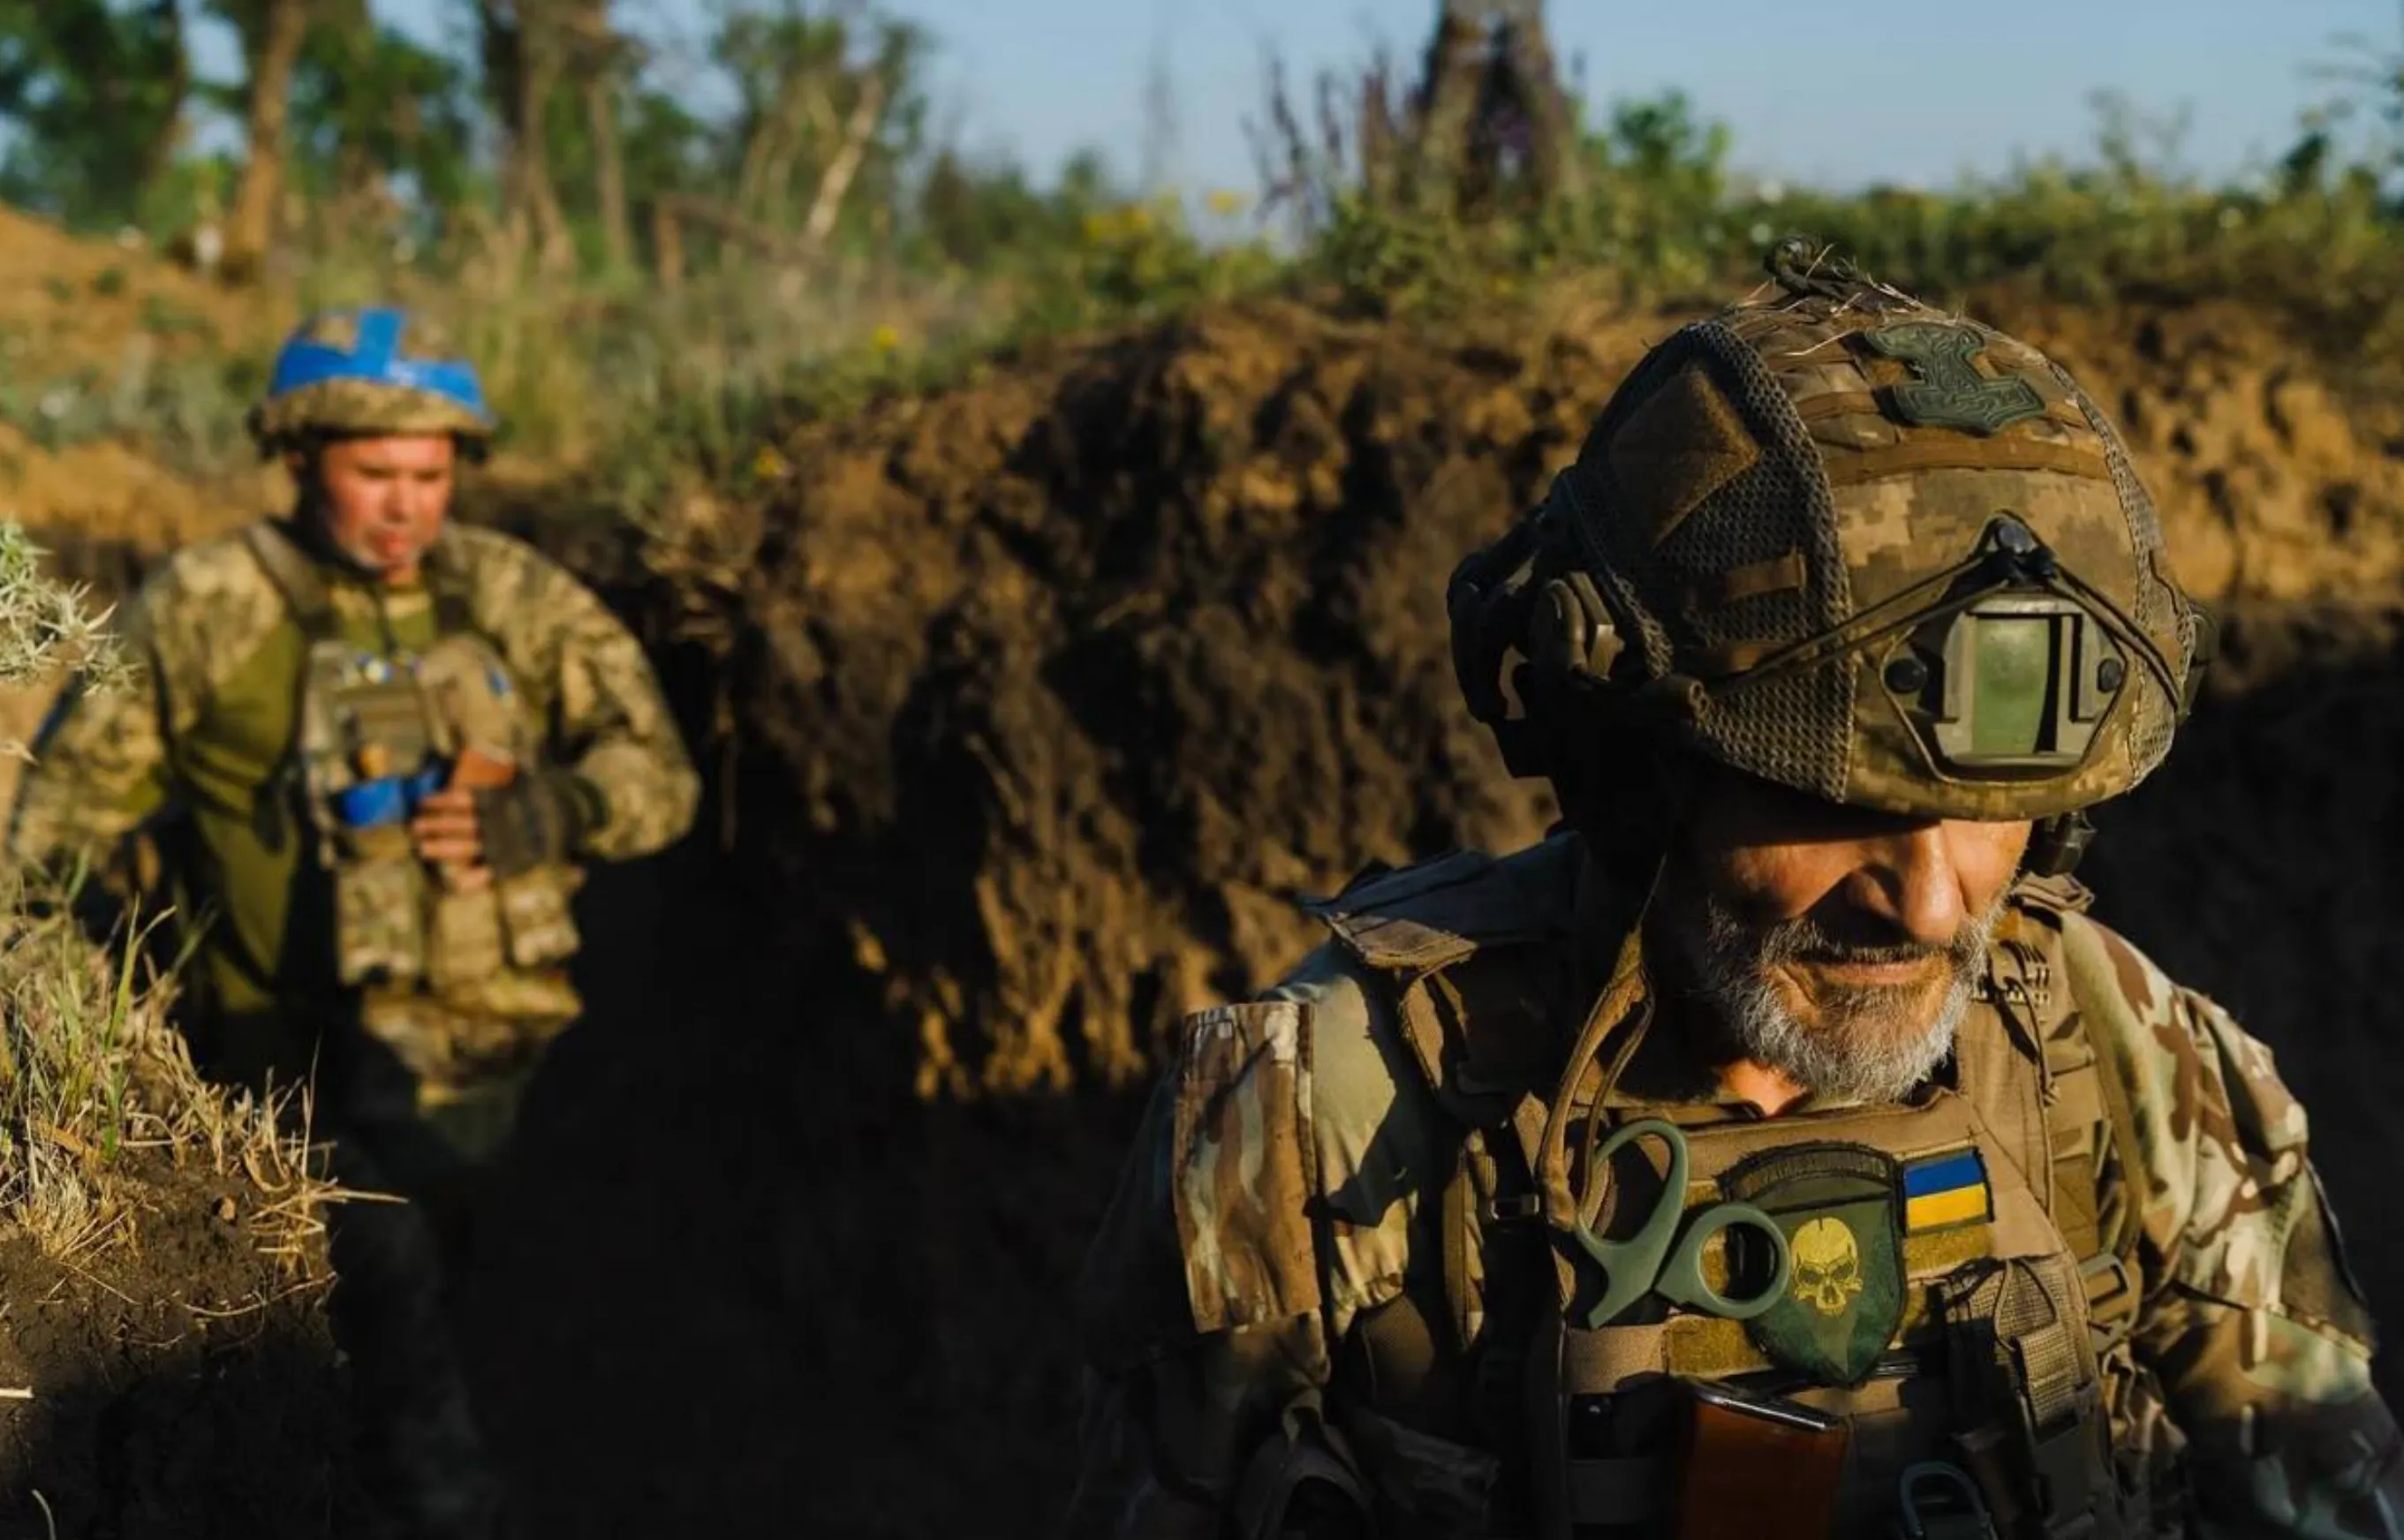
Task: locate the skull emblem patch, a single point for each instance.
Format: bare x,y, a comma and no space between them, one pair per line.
1839,1205
1827,1265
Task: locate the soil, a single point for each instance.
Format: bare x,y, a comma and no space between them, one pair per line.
1066,682
1027,707
183,1384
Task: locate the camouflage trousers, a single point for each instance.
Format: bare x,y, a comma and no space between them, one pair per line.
400,1259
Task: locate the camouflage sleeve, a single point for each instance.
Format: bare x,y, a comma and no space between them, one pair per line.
99,766
610,724
1200,1305
101,759
98,770
2251,1319
1270,1202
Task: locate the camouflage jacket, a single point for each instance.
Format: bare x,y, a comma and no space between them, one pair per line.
208,730
1282,1189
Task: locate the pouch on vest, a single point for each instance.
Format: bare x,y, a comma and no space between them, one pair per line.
1791,1460
379,912
377,736
464,943
366,750
473,702
535,915
450,1045
1301,1484
2019,1346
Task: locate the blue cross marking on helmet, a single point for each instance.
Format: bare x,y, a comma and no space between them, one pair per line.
375,358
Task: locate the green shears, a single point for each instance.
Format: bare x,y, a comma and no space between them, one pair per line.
1647,1262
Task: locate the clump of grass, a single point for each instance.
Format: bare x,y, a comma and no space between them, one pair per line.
91,1072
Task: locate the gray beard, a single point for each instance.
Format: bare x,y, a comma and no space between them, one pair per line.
1872,1044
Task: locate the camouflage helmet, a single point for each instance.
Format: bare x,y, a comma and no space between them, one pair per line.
1849,544
371,369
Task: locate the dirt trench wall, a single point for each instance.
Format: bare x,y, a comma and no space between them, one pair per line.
1045,695
1080,674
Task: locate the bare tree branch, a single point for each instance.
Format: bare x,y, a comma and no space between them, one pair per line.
865,114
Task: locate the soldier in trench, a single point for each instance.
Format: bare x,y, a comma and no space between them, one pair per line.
387,742
1780,1148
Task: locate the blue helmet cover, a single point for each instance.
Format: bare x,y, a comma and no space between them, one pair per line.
375,357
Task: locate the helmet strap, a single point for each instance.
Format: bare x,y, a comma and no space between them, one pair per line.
2058,843
1614,773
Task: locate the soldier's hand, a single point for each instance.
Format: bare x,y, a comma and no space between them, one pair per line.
449,833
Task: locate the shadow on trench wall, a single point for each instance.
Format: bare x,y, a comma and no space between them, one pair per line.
750,1282
240,1432
2264,864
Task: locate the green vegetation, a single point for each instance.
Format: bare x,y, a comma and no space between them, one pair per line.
1659,215
654,285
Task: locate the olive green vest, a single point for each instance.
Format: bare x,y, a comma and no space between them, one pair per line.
1960,1295
461,984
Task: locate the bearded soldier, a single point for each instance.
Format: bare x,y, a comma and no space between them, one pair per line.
386,741
1780,1148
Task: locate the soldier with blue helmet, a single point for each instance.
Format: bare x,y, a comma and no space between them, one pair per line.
377,747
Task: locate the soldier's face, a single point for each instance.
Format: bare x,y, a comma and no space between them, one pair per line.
1836,945
383,500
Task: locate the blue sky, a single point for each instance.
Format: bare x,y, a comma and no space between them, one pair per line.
1838,92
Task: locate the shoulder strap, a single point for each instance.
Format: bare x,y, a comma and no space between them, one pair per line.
447,583
2091,1121
296,577
1458,941
1465,948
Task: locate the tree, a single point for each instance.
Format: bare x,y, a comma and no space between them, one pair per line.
1492,107
94,94
272,33
1486,127
602,58
377,112
820,114
525,50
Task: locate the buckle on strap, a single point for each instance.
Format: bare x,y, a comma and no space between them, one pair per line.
2053,1440
1516,1209
1956,1513
2111,1299
2073,1484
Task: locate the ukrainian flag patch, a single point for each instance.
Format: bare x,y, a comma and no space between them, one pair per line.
1945,1191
